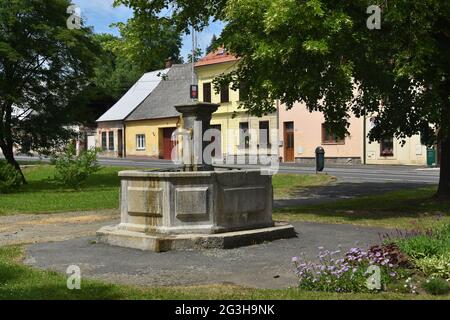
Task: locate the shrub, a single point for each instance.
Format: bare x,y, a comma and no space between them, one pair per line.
73,170
422,247
427,245
10,178
436,286
437,266
390,253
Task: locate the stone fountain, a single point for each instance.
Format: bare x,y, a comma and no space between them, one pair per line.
195,206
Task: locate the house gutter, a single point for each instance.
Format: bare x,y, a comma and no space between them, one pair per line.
278,129
365,140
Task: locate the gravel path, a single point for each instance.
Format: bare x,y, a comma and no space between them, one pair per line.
20,229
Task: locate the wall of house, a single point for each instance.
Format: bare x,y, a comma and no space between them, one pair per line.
412,153
153,136
308,136
224,115
109,128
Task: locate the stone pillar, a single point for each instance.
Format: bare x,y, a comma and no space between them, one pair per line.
196,121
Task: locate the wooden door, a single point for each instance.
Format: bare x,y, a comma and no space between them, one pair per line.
168,144
289,142
217,153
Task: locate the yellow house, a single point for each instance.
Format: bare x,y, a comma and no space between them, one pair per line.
149,128
243,131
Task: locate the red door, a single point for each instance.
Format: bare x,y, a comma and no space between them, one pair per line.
168,144
289,142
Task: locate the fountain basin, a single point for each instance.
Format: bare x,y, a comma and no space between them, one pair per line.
162,211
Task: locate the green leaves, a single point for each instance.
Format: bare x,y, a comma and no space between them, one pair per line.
316,46
43,66
10,178
147,42
320,51
73,170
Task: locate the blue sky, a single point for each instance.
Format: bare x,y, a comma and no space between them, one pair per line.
101,14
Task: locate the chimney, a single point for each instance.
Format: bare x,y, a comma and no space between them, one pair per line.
169,63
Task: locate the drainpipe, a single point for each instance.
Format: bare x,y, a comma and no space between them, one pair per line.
365,140
278,129
124,141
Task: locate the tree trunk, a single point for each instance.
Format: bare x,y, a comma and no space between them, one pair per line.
444,182
9,156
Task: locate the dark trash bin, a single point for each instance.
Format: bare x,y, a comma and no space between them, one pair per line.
320,159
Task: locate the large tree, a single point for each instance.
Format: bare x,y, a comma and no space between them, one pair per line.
43,65
147,43
322,53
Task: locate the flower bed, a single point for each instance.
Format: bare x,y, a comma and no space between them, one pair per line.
412,263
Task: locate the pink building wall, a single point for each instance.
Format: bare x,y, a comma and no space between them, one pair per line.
308,136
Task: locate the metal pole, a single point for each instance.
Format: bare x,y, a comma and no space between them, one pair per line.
193,54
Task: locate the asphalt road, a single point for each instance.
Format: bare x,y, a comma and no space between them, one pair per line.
353,174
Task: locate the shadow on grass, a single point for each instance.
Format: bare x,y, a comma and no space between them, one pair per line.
18,281
59,291
358,201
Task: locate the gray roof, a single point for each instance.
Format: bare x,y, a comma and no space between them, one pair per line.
133,98
173,90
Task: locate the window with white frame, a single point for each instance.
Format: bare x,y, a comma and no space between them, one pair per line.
140,141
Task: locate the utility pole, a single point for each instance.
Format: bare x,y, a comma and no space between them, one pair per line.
194,86
194,47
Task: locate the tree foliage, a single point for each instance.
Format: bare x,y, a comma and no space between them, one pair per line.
73,170
122,60
181,13
43,65
213,45
198,54
147,44
10,178
322,53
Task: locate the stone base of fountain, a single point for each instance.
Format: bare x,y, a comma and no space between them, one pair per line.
162,211
161,243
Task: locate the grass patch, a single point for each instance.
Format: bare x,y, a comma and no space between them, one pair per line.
43,194
400,209
286,185
18,281
101,191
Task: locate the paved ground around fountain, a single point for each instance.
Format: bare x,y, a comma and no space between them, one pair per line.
260,266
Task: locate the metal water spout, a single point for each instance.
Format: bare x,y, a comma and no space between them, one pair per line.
196,121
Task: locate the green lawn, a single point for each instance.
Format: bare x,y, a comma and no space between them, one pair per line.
396,209
286,185
44,195
400,209
101,191
18,281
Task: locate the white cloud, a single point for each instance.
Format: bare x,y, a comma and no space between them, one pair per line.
101,13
